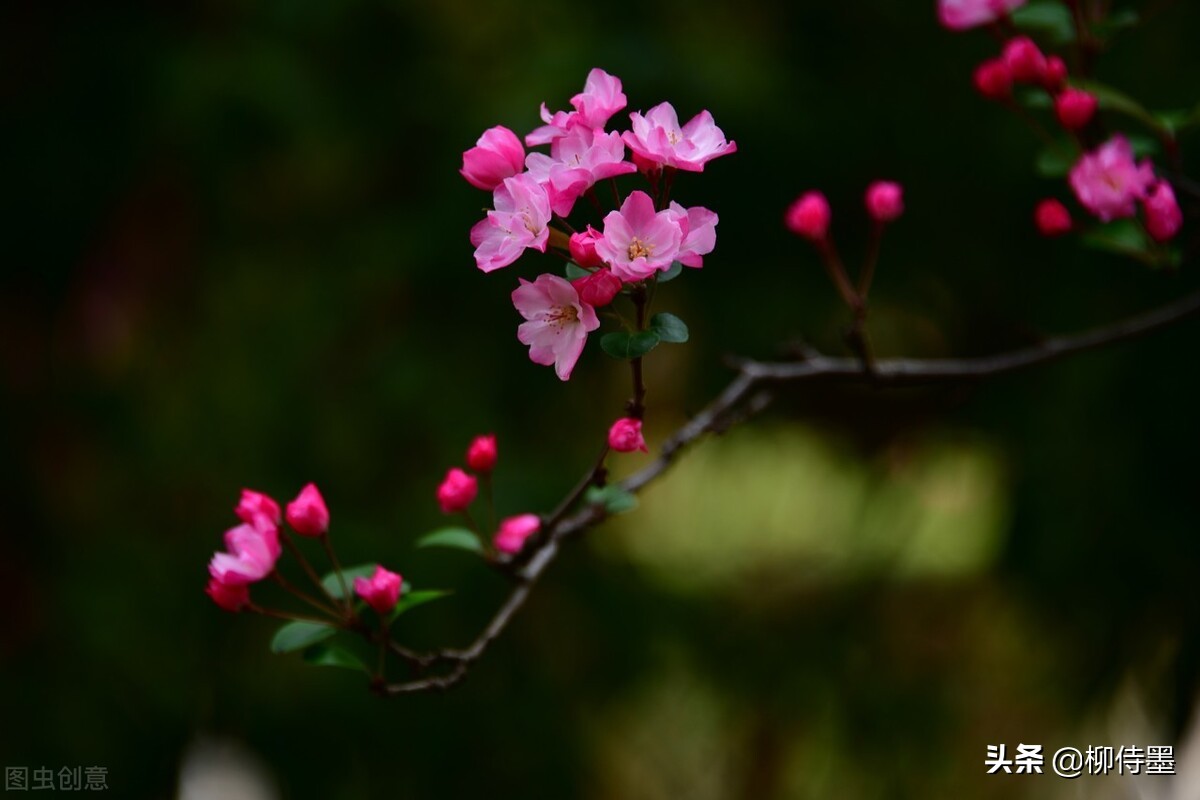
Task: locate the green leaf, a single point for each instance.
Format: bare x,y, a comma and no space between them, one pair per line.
455,537
1049,18
672,273
1123,237
332,655
1054,162
1110,99
334,586
628,345
1116,22
615,499
1034,98
575,272
410,600
298,635
669,328
1144,146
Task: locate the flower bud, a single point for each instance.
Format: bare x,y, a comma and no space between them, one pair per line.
1163,217
1052,218
381,590
481,455
457,491
1075,108
625,436
513,532
231,597
257,509
1024,60
307,514
809,216
583,248
497,155
885,201
599,288
993,79
1054,77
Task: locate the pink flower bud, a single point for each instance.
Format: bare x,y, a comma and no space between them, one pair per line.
1074,108
307,514
625,436
1025,61
381,590
583,248
257,509
809,216
599,288
1163,217
885,201
1055,75
231,597
993,79
481,455
514,531
457,491
497,155
1052,218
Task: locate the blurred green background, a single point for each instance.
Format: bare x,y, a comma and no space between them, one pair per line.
237,256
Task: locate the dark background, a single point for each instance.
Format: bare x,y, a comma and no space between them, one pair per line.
236,255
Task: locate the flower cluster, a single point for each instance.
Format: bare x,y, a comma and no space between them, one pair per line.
642,237
459,489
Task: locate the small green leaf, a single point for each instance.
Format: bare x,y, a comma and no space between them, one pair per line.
628,345
615,499
1144,146
298,635
1110,99
575,272
669,328
1124,237
1054,162
672,273
458,538
1034,98
1116,22
1051,19
332,655
334,586
410,600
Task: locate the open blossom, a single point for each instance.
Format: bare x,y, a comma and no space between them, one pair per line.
962,14
253,551
885,201
497,155
231,597
258,509
699,228
1108,182
577,160
519,221
637,240
657,140
1163,216
513,532
594,106
308,514
481,455
457,491
381,590
625,436
557,322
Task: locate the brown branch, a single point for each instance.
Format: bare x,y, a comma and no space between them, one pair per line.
745,396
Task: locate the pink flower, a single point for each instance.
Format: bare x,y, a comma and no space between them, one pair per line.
1163,217
993,79
658,140
1054,77
514,531
809,216
481,455
885,201
1075,108
1025,61
256,508
594,106
583,248
307,514
252,554
959,15
625,436
1052,218
519,221
557,322
381,590
577,160
638,241
231,597
497,155
599,288
699,228
457,491
1107,181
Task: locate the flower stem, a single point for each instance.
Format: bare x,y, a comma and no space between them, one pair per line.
337,567
308,569
310,600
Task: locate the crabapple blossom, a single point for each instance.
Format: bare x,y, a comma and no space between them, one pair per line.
457,491
519,221
599,288
1052,218
481,454
1163,216
1075,108
1025,61
594,106
513,532
625,436
885,201
381,590
497,155
962,14
993,79
253,551
557,322
577,160
256,508
307,514
657,140
231,597
1108,182
583,248
699,228
639,241
809,216
1054,76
